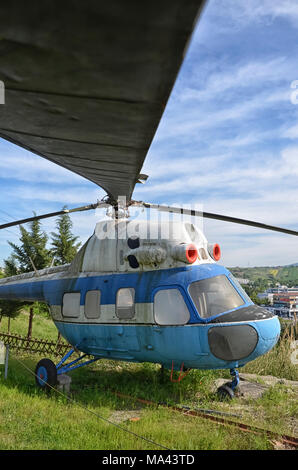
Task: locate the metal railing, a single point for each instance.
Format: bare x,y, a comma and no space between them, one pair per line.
33,345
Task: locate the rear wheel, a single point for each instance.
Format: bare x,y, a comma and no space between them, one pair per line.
225,392
46,374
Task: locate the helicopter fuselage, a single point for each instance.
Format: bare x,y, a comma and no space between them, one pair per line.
163,300
162,316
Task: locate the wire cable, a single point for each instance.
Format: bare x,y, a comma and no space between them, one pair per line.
93,412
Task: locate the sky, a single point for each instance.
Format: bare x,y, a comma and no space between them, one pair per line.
227,141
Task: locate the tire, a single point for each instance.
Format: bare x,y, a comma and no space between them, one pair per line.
225,392
45,374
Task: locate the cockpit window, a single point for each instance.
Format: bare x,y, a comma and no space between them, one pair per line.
240,289
214,295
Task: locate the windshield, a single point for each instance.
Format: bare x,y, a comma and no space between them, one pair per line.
214,295
240,289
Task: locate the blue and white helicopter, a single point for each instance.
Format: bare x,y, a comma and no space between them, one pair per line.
92,86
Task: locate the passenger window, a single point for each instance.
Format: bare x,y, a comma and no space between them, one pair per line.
71,304
170,308
92,304
125,307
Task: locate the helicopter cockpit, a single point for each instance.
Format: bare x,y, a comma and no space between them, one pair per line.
214,296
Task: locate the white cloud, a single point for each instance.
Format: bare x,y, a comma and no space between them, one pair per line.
234,77
243,12
194,120
157,166
291,132
259,173
24,166
290,160
70,196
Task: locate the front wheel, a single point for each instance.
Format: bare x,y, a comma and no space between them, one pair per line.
225,392
46,374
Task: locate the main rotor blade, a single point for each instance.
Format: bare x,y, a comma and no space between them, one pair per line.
54,214
224,218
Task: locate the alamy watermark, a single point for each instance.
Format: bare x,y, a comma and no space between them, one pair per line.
294,355
2,352
150,223
2,93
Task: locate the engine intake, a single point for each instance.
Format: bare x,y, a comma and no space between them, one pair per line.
187,253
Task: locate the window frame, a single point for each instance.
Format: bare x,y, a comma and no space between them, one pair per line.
117,308
98,292
185,300
210,318
79,312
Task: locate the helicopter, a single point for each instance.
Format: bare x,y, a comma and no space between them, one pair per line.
139,291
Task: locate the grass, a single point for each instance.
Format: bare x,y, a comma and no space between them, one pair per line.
43,326
31,419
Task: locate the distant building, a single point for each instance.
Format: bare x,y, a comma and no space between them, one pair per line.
280,289
283,300
266,296
286,304
242,281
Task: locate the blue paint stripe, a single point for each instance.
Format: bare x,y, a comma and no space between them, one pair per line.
144,283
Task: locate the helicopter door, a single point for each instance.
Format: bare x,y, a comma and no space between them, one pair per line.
123,339
171,334
170,308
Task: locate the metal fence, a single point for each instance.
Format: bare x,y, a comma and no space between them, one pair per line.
32,345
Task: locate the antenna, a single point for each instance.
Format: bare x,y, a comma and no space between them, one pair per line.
35,270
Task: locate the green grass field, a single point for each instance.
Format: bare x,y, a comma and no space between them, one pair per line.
32,419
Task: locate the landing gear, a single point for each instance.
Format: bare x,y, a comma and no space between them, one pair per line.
46,374
226,391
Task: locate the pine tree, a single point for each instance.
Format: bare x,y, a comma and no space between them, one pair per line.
64,243
10,308
32,250
10,267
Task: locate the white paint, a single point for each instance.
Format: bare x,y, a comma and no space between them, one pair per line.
143,315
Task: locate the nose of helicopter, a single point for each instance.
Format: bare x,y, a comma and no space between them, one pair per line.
244,334
268,332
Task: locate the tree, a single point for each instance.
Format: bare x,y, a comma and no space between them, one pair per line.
31,251
10,267
31,254
10,309
65,245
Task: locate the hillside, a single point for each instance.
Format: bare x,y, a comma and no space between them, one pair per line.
287,275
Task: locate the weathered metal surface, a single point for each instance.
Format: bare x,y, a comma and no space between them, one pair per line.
107,250
86,83
50,272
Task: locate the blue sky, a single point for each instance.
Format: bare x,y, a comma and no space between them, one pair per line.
227,140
